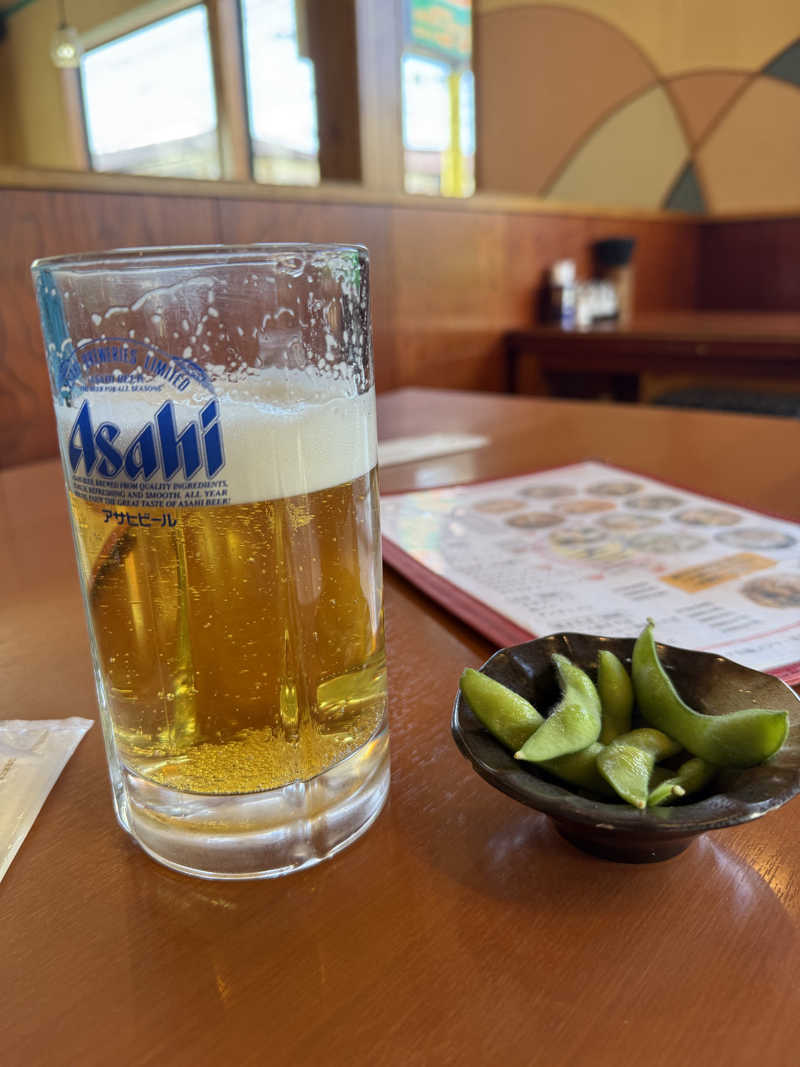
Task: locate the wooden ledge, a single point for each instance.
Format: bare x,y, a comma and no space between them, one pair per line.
15,177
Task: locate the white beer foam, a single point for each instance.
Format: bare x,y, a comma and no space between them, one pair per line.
283,434
273,451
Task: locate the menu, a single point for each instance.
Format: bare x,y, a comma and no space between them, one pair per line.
595,549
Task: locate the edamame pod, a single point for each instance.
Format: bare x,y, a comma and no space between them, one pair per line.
659,775
628,762
690,777
616,696
573,724
512,719
739,739
580,769
506,715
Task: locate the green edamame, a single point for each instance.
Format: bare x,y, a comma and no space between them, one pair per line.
575,721
616,696
689,778
586,739
628,762
506,715
511,719
580,769
659,775
738,739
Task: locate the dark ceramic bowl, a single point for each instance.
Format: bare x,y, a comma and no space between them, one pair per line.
707,682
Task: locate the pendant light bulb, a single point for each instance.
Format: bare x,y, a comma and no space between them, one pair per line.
66,48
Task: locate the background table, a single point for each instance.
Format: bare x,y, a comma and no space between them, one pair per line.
719,346
460,929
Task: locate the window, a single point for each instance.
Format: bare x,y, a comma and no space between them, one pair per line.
438,93
281,94
149,100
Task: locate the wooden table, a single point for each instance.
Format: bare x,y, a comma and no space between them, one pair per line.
717,345
461,929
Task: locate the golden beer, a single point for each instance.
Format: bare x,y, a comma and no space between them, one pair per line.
240,647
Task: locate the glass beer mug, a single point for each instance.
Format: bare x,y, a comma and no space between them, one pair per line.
216,420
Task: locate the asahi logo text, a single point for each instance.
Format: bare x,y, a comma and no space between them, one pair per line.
156,446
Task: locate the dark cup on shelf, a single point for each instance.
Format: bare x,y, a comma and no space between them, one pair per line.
613,258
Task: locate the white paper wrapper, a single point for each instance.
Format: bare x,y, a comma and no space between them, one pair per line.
32,755
427,446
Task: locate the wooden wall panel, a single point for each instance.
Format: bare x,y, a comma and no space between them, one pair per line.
463,278
750,264
446,281
35,224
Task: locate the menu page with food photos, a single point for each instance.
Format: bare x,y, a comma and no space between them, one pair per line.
594,549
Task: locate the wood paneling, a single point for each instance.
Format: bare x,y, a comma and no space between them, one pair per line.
447,281
461,280
752,263
14,176
379,26
332,50
225,28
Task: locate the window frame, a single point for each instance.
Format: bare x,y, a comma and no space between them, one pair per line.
379,44
233,139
